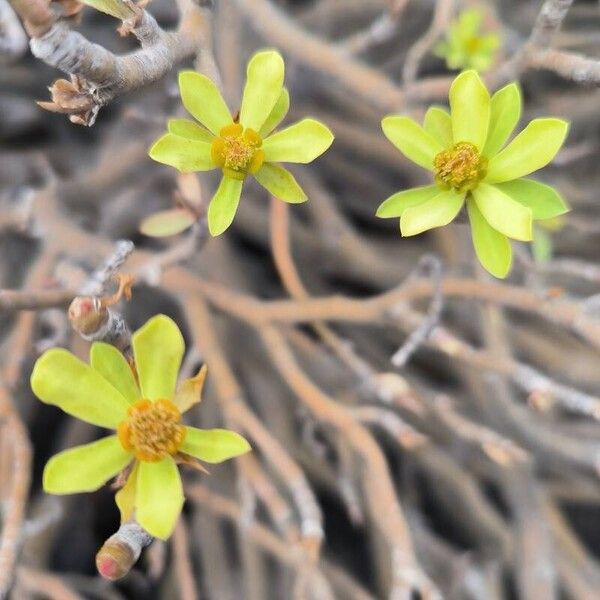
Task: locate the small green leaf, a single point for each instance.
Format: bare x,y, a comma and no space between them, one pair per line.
60,378
412,140
437,212
277,115
85,468
469,109
184,154
504,116
503,213
224,204
159,497
203,100
531,150
492,247
189,129
439,124
158,348
396,204
301,142
543,200
541,247
280,183
213,445
168,222
264,82
111,364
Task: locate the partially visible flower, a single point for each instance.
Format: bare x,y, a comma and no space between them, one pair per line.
465,47
466,153
244,145
140,401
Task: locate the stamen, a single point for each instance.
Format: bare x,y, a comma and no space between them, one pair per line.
237,151
460,167
152,430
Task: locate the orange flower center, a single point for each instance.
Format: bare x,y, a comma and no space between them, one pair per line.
152,430
461,167
237,151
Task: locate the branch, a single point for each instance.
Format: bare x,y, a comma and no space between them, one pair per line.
13,41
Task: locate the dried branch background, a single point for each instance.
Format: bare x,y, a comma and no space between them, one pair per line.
469,467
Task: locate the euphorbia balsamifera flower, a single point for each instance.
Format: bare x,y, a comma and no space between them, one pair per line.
466,153
241,145
465,47
142,402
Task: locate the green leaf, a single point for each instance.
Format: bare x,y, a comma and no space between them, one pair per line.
111,364
503,213
541,247
439,211
277,115
223,206
61,379
184,154
159,497
543,200
280,183
301,142
168,222
396,204
203,100
492,247
213,445
504,116
190,130
264,82
439,124
190,391
412,140
531,150
115,8
158,348
85,468
125,497
470,109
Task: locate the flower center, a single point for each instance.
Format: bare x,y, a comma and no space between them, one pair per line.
237,151
461,167
473,44
152,430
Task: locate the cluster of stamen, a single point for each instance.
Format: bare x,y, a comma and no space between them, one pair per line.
237,151
461,167
152,430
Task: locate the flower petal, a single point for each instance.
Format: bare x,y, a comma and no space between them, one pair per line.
264,82
505,112
62,379
531,150
113,366
190,391
277,115
301,142
492,248
158,348
503,213
85,468
213,445
438,211
159,497
438,123
184,154
470,109
190,130
280,183
543,200
223,206
125,497
203,100
396,204
412,140
168,222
